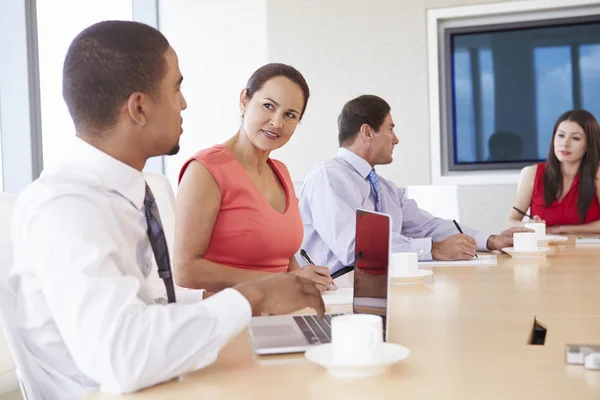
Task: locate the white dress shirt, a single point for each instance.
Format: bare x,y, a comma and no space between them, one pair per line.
87,291
336,188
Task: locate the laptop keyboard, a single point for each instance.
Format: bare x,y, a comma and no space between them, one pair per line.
315,330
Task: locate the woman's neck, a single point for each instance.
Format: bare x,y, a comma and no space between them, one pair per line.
246,153
569,169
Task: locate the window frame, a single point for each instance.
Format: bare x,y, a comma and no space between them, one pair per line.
22,154
439,21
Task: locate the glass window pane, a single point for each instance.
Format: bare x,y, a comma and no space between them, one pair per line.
59,21
554,91
463,99
589,65
486,77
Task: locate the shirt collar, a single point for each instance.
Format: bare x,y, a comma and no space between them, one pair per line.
357,162
113,173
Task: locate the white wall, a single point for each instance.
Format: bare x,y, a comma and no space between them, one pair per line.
344,48
219,44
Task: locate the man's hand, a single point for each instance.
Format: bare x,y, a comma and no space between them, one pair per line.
319,275
281,293
455,247
505,238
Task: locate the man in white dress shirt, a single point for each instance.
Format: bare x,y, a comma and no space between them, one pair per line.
90,307
336,188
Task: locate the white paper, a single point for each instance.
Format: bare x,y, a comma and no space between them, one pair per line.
483,260
338,297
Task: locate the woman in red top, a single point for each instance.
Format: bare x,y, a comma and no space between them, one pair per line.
564,192
236,215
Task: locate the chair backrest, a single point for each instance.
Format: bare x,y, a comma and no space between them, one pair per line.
25,369
8,380
165,200
7,205
440,201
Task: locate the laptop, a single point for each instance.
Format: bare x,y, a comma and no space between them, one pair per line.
296,333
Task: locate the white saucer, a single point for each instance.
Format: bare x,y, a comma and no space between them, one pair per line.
526,254
385,355
417,277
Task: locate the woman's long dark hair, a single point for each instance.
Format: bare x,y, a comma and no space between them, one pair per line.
553,182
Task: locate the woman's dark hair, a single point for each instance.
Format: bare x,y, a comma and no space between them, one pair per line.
553,182
105,64
366,109
273,70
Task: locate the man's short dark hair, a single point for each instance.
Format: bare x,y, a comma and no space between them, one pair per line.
366,109
105,64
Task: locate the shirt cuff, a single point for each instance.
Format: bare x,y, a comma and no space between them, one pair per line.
231,309
422,247
481,239
188,296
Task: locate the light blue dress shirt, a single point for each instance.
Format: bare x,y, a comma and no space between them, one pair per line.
336,188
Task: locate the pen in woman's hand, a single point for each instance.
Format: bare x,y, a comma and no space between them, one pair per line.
522,212
308,260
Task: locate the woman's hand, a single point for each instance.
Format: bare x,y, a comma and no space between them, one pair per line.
319,275
557,229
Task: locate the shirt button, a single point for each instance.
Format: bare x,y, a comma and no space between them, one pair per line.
421,251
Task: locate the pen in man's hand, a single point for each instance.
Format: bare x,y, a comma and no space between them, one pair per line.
460,230
522,213
308,260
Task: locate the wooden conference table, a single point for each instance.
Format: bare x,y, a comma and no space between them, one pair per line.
467,329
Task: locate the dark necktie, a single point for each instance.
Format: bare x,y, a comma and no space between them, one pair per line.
156,234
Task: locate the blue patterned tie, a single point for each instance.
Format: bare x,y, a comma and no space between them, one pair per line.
156,234
376,189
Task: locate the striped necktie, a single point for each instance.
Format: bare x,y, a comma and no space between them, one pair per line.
374,179
156,234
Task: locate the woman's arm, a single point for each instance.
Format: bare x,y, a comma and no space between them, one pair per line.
196,210
592,227
293,265
523,198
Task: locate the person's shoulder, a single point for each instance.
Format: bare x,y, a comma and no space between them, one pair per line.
209,161
328,173
213,155
531,171
326,168
280,165
58,192
530,175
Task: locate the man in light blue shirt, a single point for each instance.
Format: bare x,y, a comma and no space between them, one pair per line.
336,188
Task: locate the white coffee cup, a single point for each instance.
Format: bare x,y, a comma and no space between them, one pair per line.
355,338
403,264
538,227
525,241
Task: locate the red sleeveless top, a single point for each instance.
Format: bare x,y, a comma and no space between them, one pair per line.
249,233
562,212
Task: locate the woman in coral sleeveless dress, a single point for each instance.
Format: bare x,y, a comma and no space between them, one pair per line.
564,191
237,214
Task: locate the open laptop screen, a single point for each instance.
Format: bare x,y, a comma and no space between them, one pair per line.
371,266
